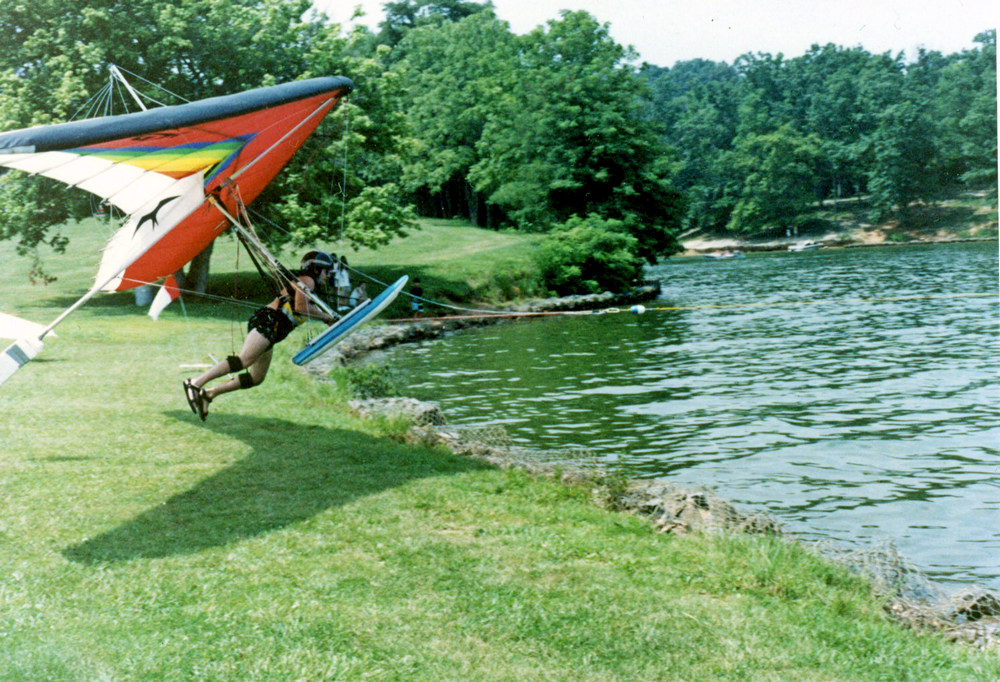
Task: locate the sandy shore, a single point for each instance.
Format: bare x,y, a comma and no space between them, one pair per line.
698,245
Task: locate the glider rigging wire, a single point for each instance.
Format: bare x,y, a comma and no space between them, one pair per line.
248,237
639,309
479,313
343,188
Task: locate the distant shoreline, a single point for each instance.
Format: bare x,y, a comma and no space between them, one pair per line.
967,217
702,247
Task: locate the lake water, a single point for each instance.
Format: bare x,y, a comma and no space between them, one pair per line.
852,392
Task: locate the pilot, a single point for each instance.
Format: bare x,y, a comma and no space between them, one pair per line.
267,326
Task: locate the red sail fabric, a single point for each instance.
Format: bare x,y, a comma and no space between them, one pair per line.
272,142
168,293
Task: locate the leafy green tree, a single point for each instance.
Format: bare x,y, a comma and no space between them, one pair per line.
874,124
54,55
903,150
828,85
345,184
669,90
27,211
766,97
697,102
454,77
568,139
778,171
402,16
55,52
963,95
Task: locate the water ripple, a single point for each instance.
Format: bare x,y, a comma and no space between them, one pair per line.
851,416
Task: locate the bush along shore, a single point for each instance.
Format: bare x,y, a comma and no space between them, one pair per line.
972,615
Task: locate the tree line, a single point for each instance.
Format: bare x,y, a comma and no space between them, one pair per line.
558,131
761,140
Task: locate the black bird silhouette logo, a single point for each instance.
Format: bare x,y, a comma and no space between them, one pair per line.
151,216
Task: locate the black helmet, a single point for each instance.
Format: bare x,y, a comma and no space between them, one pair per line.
318,259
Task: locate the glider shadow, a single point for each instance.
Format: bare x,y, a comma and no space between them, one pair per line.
280,483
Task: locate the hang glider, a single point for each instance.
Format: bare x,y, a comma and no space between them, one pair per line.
175,172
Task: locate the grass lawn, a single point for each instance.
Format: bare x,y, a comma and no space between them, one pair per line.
285,540
456,263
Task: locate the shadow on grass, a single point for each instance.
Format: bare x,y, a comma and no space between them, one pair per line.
228,296
293,473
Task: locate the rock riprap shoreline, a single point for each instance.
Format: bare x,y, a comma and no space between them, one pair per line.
972,615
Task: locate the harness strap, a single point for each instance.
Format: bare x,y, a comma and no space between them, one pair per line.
289,311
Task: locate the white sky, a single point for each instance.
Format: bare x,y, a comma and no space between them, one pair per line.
667,31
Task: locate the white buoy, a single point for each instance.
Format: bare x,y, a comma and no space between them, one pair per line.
637,309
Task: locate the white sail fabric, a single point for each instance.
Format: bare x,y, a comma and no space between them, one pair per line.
124,184
167,294
13,327
36,163
154,202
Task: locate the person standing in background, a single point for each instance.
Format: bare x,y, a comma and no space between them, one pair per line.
342,281
416,298
358,296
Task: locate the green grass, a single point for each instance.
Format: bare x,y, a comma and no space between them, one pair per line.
284,540
456,263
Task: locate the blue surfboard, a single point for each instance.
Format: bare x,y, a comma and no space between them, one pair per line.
349,323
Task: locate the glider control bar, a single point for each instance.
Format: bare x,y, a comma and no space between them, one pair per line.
249,237
17,355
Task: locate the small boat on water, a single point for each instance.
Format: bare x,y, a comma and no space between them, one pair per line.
805,246
722,255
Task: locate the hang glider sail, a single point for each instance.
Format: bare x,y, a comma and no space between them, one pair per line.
175,172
